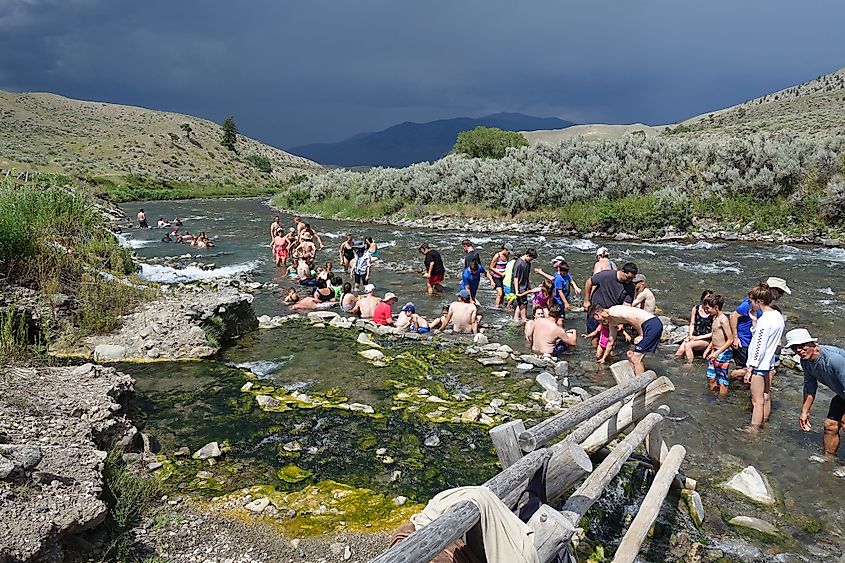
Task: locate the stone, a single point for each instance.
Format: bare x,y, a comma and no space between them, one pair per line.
497,403
755,524
499,373
535,360
400,500
22,455
183,451
471,414
580,392
694,505
480,339
292,447
204,475
493,361
246,386
552,396
109,352
751,483
347,553
547,381
6,467
84,369
505,348
371,354
210,450
267,401
59,299
153,353
381,451
562,368
201,352
524,367
839,471
366,340
360,407
294,543
258,505
153,466
432,441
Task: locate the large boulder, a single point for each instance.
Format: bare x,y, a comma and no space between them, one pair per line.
752,484
109,352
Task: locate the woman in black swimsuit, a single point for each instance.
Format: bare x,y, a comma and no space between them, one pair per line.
699,331
323,293
347,254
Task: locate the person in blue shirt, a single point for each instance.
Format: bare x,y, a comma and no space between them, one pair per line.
471,278
825,364
562,283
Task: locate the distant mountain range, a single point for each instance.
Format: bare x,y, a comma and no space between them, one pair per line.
409,142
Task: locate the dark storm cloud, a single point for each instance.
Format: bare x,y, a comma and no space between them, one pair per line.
298,72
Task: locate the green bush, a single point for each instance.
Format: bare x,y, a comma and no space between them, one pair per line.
488,142
262,163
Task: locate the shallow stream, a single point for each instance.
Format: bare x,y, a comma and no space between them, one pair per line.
189,404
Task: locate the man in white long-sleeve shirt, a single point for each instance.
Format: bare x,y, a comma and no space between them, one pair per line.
824,364
765,339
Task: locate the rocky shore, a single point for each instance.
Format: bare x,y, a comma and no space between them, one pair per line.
700,229
56,426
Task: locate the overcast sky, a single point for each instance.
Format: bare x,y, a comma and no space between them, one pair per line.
295,72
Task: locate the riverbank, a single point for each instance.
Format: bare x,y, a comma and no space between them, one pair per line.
620,220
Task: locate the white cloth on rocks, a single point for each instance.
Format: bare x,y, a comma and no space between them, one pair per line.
507,539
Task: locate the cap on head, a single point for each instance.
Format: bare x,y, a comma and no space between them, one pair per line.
639,278
779,283
410,308
369,288
388,296
508,246
798,336
602,251
463,294
558,258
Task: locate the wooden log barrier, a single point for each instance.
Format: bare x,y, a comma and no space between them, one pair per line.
505,438
631,543
550,528
591,489
554,426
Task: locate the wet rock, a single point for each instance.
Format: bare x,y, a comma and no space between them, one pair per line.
153,353
535,361
267,401
494,361
109,352
839,471
547,381
505,348
471,414
562,368
366,340
360,407
524,367
400,500
210,450
480,339
755,524
432,441
294,446
752,484
371,354
258,505
23,456
694,506
246,386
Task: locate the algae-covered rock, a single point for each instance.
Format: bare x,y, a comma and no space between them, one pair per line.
694,505
471,414
751,483
371,354
210,450
293,474
366,340
267,401
756,524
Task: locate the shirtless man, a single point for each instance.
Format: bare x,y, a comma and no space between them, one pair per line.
719,354
299,225
603,261
463,314
142,220
346,252
366,306
546,337
649,330
645,297
275,226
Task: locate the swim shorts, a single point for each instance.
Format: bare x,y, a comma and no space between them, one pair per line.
604,336
498,282
560,348
652,331
361,279
435,279
421,330
837,408
741,356
718,368
522,301
760,372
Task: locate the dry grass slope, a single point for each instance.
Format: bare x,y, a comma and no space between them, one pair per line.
51,133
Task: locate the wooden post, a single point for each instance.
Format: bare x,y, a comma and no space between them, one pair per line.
591,489
567,465
551,531
631,543
622,371
655,447
505,438
556,425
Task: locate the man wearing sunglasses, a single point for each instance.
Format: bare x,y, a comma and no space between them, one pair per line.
825,364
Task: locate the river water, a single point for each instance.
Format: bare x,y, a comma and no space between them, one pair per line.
204,401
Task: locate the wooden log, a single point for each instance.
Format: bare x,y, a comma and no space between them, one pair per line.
559,476
622,371
629,548
593,486
424,544
567,465
655,447
556,425
550,528
505,438
632,411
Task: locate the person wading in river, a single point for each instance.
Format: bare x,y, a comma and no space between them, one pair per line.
824,364
497,269
275,226
762,353
142,220
648,327
434,270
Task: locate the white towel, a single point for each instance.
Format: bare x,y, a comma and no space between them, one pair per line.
507,539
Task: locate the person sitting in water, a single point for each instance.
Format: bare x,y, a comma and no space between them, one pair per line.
348,300
383,315
292,271
440,322
336,285
292,296
416,323
303,269
162,223
699,331
372,248
322,292
166,238
305,304
177,222
366,305
546,337
463,314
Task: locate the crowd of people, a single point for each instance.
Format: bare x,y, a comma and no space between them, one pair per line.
619,308
173,235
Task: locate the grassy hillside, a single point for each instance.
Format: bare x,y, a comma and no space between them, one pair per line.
813,109
50,133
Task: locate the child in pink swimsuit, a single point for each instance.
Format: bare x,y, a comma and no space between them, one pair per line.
603,332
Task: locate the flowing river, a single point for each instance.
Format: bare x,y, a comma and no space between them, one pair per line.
192,403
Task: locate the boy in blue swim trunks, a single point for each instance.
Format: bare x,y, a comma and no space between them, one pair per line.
719,353
416,323
648,327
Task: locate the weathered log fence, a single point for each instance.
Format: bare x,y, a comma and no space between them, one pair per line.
631,406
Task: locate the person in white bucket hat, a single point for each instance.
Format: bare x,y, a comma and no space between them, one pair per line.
825,364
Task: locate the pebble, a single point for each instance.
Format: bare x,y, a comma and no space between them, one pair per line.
400,500
432,441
